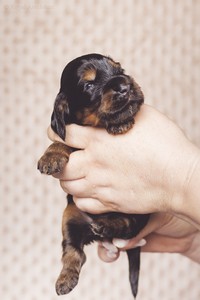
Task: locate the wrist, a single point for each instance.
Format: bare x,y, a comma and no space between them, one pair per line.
193,247
186,201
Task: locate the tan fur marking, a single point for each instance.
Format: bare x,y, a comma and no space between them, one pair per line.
89,75
71,212
91,119
113,63
86,117
106,102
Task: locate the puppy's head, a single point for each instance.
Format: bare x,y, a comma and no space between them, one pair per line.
95,91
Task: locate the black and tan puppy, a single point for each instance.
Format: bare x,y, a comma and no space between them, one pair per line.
94,91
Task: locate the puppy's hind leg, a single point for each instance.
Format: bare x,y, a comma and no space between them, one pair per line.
73,259
73,228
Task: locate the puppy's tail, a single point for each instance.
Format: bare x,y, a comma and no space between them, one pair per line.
134,268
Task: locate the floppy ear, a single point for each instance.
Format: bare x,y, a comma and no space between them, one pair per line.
60,115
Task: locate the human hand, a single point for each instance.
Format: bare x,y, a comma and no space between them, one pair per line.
163,233
146,170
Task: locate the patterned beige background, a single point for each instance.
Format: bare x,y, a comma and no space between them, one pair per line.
158,42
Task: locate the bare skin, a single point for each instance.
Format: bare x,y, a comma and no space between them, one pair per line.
153,168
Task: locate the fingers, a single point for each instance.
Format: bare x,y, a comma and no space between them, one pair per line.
156,221
123,244
76,168
163,244
53,136
154,242
146,244
91,205
108,252
78,188
76,136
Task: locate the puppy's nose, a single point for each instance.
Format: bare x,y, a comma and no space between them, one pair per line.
122,88
118,84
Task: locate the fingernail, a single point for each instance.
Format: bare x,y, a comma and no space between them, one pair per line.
111,254
110,247
141,243
119,243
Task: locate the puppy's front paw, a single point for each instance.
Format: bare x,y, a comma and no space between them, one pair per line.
123,128
67,280
51,163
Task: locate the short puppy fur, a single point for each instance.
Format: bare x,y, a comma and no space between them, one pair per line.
94,91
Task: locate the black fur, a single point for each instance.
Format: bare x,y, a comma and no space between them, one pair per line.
94,91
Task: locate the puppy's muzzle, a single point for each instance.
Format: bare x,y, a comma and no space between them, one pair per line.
119,84
118,90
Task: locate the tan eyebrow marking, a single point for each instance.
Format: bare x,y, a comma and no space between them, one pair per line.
89,75
114,63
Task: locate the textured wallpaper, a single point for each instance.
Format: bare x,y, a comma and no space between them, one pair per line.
158,43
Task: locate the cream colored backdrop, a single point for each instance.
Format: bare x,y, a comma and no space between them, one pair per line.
158,42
